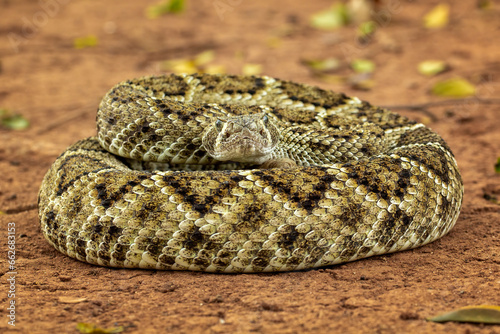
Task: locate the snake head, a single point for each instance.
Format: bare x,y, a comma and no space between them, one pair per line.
244,138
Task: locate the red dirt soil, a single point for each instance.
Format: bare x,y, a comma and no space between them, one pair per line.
57,88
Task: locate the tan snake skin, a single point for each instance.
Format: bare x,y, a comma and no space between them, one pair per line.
364,181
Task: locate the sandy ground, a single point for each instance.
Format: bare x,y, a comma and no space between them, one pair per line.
57,88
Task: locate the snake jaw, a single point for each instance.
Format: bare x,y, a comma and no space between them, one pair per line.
246,138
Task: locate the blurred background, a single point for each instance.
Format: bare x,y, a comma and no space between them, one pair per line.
65,54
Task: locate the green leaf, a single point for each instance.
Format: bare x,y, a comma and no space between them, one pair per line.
497,166
177,6
85,42
432,67
485,314
437,17
367,28
322,65
456,87
165,7
87,328
334,17
13,121
363,65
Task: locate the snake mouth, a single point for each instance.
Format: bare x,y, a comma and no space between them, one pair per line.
247,138
243,149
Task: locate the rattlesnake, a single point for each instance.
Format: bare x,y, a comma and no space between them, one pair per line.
347,180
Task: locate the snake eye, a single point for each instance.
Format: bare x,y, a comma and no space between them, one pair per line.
265,119
218,124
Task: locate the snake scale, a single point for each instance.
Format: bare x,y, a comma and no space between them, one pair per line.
231,174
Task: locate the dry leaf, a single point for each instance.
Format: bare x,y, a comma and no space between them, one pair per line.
363,85
251,69
425,120
485,314
204,58
485,4
331,78
165,7
432,67
179,66
360,10
334,17
85,42
457,87
438,16
87,328
363,65
274,42
199,63
214,69
322,65
71,300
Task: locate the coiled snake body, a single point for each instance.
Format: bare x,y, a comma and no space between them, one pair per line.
338,180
